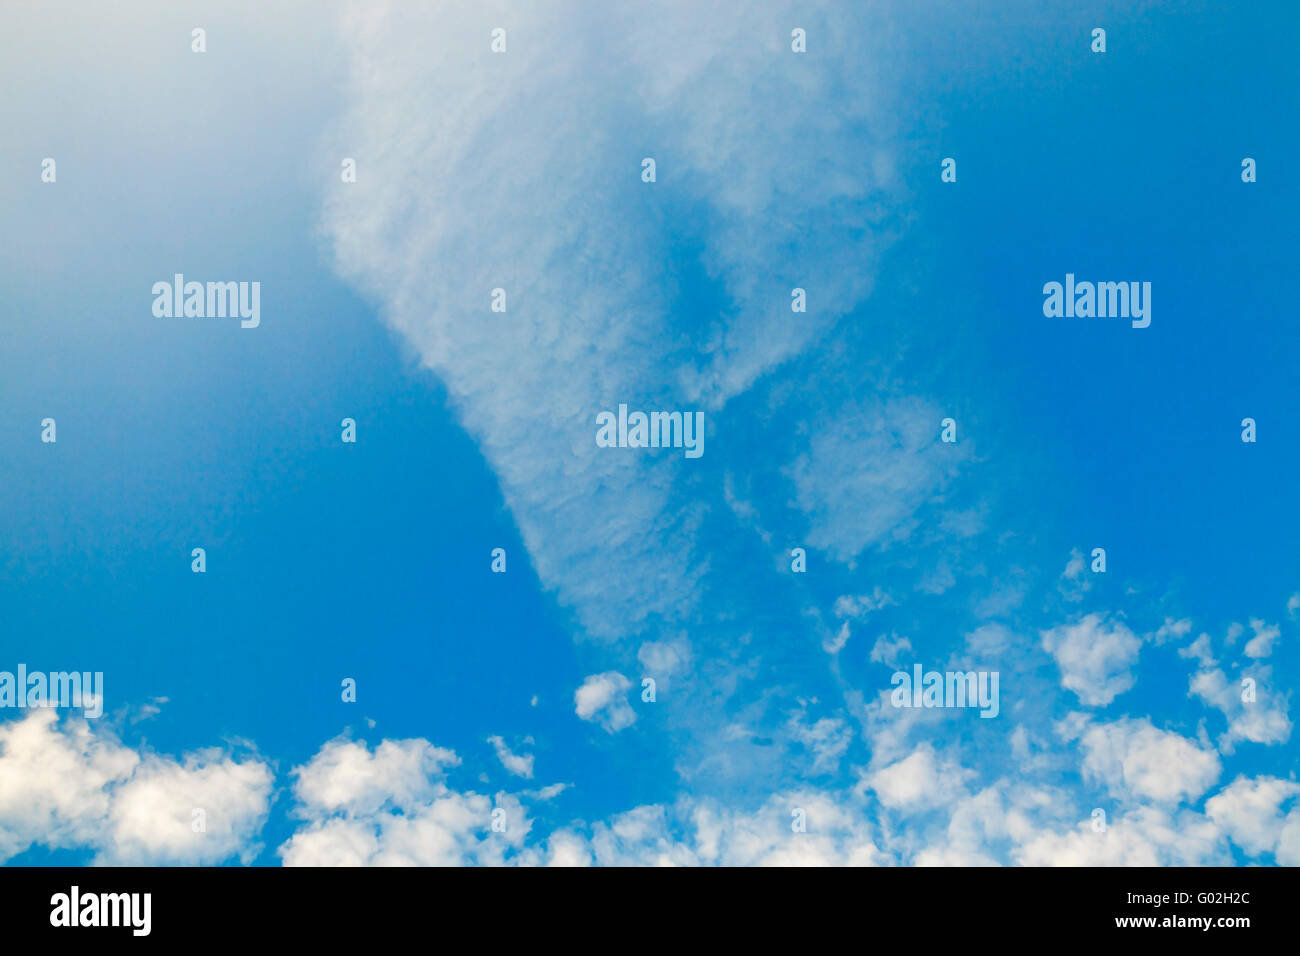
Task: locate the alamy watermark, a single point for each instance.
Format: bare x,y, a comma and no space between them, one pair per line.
946,689
1100,300
653,430
179,298
56,689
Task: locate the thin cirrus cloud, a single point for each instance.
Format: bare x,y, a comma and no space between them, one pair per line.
527,178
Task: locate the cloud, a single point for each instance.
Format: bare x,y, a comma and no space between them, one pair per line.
1144,836
392,806
1095,658
889,649
347,777
532,184
827,739
521,765
1074,583
705,833
602,699
919,781
860,605
1172,630
663,659
72,784
1134,758
1261,645
1258,715
1249,811
868,471
1201,650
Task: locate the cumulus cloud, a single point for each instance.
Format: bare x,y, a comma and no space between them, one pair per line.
801,828
72,784
1095,657
1261,645
919,781
1144,836
348,777
889,649
1255,710
392,806
1134,758
1250,811
602,699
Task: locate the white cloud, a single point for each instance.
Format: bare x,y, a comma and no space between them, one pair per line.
73,784
1262,720
348,777
1172,630
602,699
663,659
1074,582
1136,758
1201,650
860,605
521,765
834,643
392,806
866,474
1144,836
827,739
1095,657
1261,645
989,642
889,649
695,833
919,781
1249,811
527,186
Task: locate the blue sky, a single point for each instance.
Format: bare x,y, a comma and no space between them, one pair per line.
521,691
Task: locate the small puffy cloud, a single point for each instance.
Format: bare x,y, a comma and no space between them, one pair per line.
392,806
826,739
989,641
1172,630
860,605
663,659
521,765
1095,656
1200,650
889,649
72,784
1256,712
1136,758
834,643
919,781
602,699
1261,645
702,832
154,815
1074,583
347,777
1145,836
1288,844
1250,811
